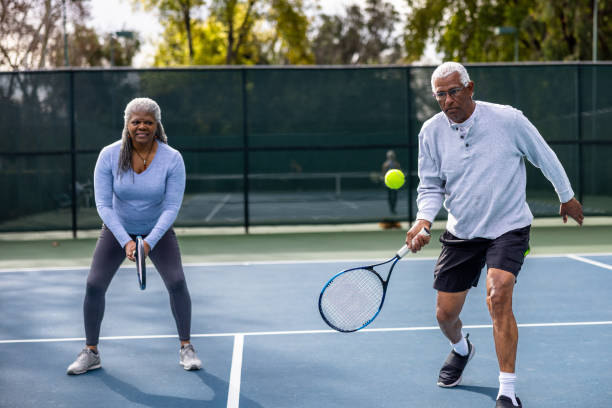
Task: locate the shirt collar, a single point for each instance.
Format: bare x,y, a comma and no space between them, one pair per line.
467,124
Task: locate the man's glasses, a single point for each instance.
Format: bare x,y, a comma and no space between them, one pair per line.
440,96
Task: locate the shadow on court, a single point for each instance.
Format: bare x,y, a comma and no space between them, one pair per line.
488,391
133,394
289,357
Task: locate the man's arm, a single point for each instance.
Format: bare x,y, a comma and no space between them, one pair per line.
429,198
534,147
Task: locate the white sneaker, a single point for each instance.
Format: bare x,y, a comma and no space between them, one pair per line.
86,360
189,359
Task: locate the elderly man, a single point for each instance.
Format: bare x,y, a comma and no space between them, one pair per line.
471,159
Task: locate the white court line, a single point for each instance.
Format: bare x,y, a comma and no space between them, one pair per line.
408,258
217,208
233,394
295,332
589,261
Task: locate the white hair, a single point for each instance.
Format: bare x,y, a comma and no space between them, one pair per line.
447,68
142,105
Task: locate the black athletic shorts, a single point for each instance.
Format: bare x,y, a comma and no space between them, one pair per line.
462,260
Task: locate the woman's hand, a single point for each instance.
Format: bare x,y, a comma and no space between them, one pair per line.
146,247
130,251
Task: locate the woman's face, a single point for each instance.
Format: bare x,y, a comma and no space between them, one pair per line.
142,127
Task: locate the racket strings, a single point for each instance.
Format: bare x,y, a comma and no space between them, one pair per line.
352,299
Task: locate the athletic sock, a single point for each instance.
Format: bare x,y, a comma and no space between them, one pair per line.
461,347
506,386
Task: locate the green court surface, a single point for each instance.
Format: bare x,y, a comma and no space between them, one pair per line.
548,236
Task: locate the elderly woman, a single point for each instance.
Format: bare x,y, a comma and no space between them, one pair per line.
139,183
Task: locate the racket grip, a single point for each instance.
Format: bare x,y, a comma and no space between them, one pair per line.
404,250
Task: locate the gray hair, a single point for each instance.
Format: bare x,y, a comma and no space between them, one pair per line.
447,68
138,105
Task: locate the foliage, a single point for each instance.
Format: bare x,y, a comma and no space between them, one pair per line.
358,37
231,32
464,30
32,37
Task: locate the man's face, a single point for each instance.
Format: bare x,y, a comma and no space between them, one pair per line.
454,99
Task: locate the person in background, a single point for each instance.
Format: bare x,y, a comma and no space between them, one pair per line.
391,163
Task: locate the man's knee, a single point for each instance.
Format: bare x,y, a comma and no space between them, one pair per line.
445,316
500,285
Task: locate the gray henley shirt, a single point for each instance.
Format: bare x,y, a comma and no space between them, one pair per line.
477,170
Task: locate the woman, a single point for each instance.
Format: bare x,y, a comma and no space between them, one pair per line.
138,183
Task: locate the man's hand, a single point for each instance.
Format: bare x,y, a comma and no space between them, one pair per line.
573,208
415,241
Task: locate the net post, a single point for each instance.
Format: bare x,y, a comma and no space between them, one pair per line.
579,133
245,147
72,152
409,135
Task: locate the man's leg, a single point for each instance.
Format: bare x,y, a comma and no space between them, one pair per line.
500,285
448,308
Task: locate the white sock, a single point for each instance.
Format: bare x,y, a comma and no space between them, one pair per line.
506,386
461,347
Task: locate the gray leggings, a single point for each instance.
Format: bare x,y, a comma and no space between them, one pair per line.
107,258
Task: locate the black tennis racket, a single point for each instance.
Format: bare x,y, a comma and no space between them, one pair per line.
354,297
141,267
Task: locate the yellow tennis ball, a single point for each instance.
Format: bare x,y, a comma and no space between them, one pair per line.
394,179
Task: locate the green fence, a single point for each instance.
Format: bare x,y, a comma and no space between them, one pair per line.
271,146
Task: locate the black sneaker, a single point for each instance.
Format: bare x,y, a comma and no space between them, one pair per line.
452,369
505,402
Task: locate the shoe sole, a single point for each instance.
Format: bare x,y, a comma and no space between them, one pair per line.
190,367
456,383
84,371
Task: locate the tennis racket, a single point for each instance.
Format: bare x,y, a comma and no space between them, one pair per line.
141,267
354,297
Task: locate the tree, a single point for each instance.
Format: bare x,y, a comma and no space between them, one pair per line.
177,16
464,30
251,31
361,36
31,36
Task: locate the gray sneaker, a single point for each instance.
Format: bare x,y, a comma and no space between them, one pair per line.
87,360
189,359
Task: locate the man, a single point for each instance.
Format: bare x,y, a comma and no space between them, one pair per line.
471,158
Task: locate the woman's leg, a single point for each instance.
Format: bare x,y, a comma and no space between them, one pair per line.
107,258
166,257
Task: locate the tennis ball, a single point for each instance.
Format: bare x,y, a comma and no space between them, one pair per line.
394,179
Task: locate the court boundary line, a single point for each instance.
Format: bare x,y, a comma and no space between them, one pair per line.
284,262
233,393
589,261
297,332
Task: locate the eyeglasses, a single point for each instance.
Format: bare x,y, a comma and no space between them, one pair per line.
440,96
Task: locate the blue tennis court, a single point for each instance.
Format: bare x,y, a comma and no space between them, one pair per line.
257,329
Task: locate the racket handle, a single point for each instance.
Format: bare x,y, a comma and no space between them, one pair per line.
404,250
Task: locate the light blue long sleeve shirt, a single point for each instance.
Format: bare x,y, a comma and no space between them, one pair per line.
476,169
140,204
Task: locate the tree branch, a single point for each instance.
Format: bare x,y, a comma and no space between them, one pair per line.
245,26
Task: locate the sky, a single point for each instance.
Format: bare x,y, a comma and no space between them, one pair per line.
118,15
